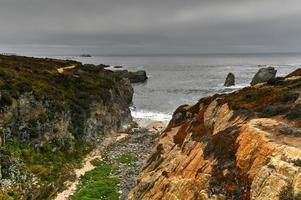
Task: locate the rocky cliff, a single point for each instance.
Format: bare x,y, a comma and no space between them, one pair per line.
243,145
52,112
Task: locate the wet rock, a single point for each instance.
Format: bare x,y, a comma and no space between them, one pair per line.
264,75
230,80
118,67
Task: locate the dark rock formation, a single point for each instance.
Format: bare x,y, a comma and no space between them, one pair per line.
86,55
103,66
139,76
230,80
118,67
134,77
264,75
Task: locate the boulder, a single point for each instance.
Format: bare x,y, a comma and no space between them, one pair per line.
138,76
230,80
264,75
134,77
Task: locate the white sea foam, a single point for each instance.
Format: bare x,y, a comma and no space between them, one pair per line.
238,86
156,116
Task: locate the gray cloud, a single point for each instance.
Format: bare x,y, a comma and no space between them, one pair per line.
150,26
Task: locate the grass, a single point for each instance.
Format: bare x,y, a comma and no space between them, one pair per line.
51,168
127,159
97,184
73,90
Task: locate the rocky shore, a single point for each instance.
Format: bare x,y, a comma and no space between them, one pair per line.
126,152
66,132
243,145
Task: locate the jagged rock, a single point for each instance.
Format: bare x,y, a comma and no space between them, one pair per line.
264,75
226,150
139,76
230,80
134,77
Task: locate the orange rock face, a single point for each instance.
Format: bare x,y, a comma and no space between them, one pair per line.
223,148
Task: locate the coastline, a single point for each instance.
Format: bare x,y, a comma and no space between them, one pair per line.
134,144
150,124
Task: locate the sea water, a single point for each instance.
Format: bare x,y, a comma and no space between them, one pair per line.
184,79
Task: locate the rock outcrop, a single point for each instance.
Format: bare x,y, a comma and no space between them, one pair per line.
264,75
225,147
297,72
50,119
230,80
134,77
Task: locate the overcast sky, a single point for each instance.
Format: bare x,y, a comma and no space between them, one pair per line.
150,26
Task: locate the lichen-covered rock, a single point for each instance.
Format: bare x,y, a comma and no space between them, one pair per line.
226,150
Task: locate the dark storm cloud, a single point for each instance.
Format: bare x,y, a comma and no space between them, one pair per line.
150,26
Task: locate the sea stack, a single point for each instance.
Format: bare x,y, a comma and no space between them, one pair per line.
264,75
230,80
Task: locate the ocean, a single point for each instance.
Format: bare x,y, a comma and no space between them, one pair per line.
184,79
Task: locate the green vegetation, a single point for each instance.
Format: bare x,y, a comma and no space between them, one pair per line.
97,184
127,159
51,167
73,90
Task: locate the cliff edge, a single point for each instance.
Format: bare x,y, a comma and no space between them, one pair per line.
52,113
243,145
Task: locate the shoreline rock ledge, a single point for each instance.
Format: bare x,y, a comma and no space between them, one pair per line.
135,77
230,80
264,75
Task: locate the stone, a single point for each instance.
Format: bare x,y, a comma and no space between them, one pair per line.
230,80
295,112
264,75
138,76
225,153
134,77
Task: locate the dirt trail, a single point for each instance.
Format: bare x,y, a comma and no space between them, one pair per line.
138,143
87,166
61,70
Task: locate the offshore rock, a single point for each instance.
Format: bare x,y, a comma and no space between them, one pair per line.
230,80
134,77
264,75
